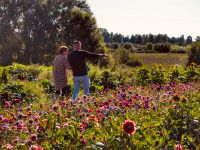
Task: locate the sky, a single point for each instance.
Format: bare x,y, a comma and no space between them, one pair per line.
172,17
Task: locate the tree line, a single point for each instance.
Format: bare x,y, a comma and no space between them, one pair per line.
32,30
110,37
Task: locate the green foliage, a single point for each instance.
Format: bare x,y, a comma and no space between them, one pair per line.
22,72
179,49
192,72
31,31
183,123
113,45
194,54
123,56
176,73
128,46
158,74
22,91
107,80
163,117
48,87
143,76
162,48
149,46
4,76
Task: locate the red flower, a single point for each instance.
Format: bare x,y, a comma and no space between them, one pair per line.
129,127
178,147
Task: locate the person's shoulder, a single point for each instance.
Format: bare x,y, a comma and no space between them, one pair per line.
57,56
70,53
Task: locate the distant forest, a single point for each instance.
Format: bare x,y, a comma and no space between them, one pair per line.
110,37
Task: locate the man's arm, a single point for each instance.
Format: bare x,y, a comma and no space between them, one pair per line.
93,55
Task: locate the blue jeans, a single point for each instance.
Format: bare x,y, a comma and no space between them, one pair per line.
78,80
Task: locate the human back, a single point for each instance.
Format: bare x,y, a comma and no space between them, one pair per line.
77,60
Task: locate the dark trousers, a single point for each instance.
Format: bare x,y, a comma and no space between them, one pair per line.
64,91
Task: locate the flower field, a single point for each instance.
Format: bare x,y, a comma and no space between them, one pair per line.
159,111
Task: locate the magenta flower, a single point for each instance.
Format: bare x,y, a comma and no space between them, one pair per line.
84,142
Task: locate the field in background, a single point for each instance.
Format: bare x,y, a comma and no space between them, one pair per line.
166,59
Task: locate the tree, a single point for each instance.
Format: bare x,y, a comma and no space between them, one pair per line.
173,40
150,38
34,29
197,39
133,39
144,38
158,38
9,40
105,34
181,40
79,24
194,53
117,38
165,38
189,40
138,39
126,39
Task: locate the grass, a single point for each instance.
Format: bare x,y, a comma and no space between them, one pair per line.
166,59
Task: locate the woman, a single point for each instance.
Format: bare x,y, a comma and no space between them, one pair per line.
60,66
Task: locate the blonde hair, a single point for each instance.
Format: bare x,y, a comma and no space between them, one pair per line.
62,49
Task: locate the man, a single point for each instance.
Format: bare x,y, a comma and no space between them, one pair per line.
60,67
77,59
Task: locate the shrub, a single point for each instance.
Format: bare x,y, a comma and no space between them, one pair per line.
4,76
128,46
26,91
113,45
179,49
149,46
192,72
182,122
133,61
162,48
22,72
123,56
143,76
176,73
194,54
158,74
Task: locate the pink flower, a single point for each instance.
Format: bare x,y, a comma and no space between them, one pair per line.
34,147
8,146
5,120
178,147
129,127
16,140
20,127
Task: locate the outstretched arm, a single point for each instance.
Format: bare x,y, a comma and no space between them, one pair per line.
93,55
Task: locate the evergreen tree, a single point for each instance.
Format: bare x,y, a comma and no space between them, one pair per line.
189,40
